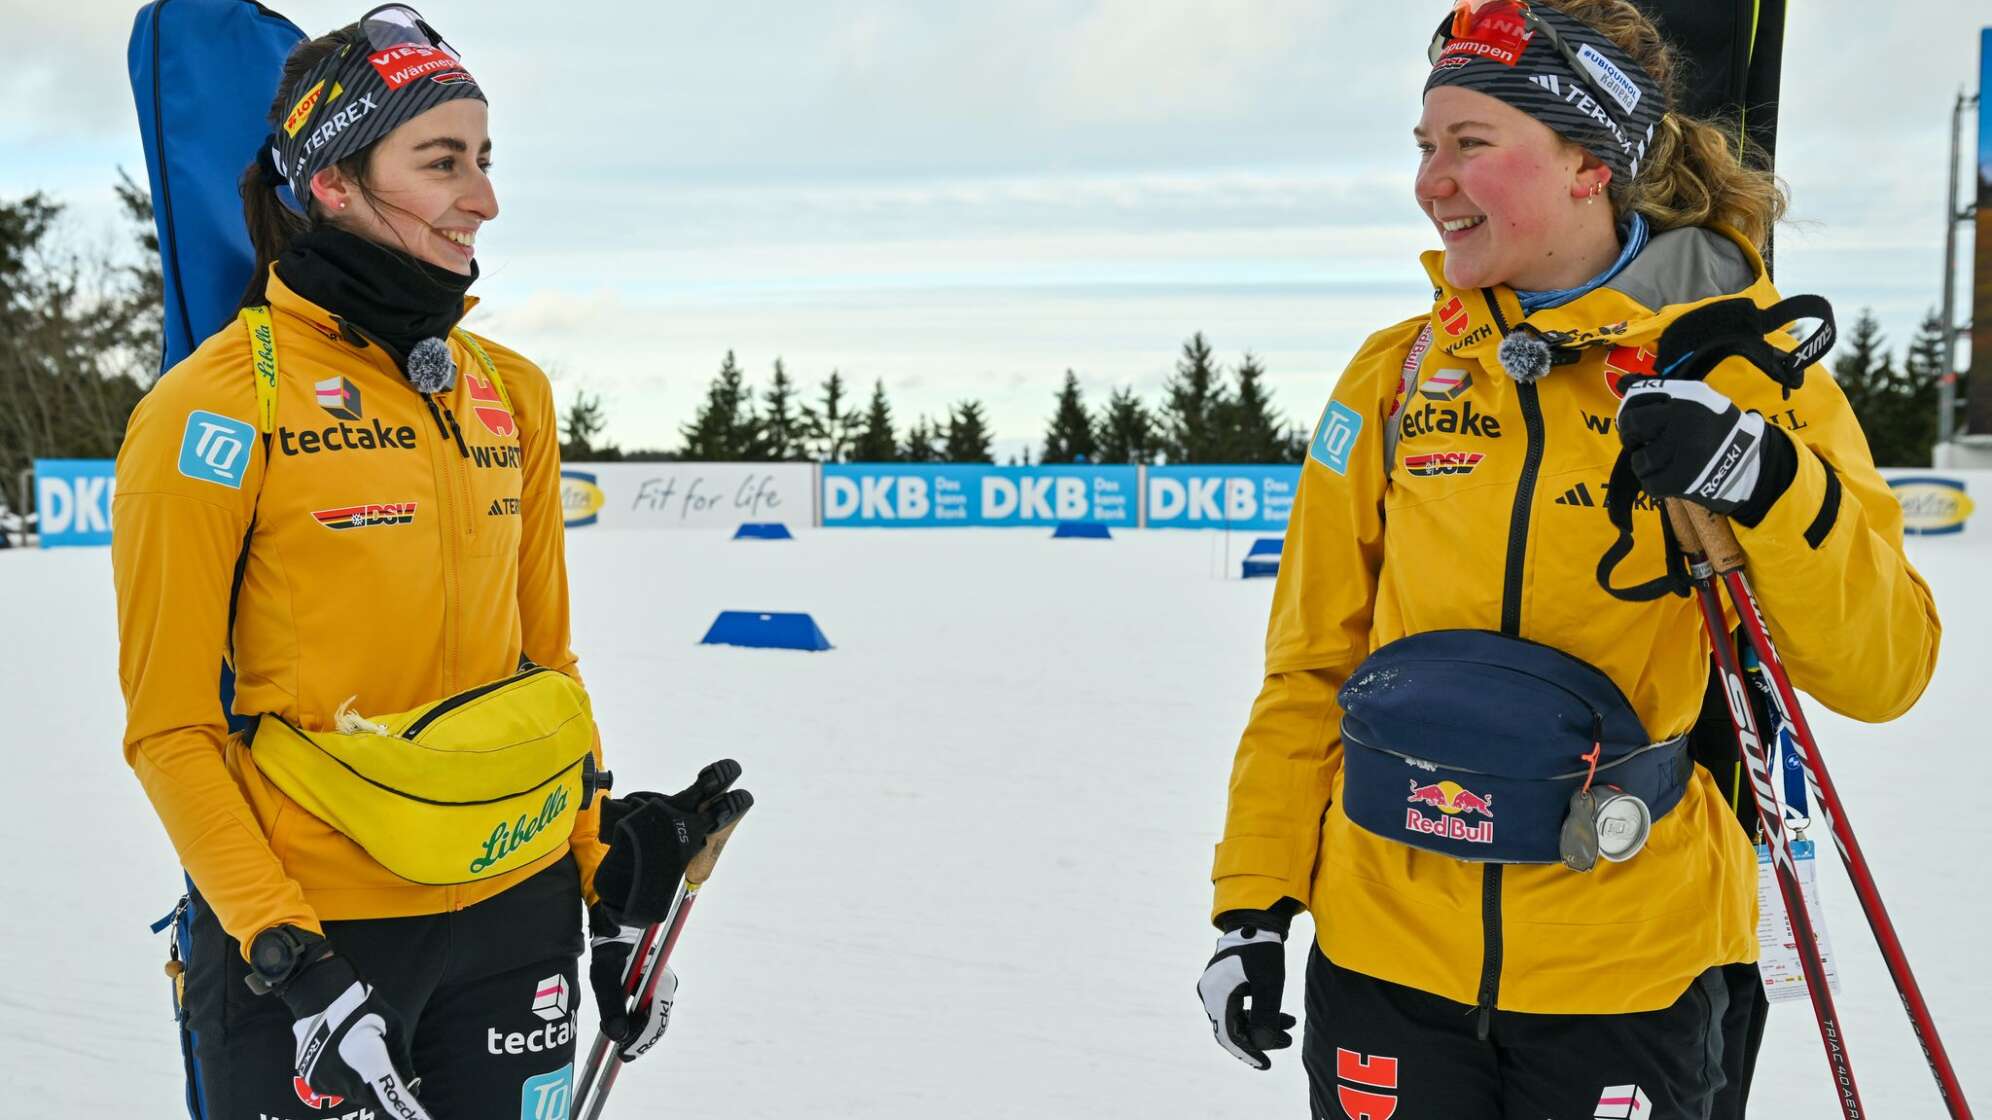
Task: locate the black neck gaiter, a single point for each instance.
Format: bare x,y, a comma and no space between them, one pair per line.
397,300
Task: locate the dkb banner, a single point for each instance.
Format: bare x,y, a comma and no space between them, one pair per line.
963,494
73,501
1198,497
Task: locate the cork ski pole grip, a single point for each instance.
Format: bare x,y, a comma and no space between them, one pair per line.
732,806
1718,540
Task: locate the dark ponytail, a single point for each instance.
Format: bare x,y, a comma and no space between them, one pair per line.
272,225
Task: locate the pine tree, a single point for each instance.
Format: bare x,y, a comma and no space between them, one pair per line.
1927,363
968,435
1193,407
874,443
579,426
1253,431
1897,410
921,444
1070,437
1127,430
829,424
782,427
725,428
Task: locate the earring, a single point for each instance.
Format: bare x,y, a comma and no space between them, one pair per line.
342,204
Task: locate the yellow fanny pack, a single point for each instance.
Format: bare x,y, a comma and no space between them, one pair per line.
461,789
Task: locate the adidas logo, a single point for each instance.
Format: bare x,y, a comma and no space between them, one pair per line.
1578,495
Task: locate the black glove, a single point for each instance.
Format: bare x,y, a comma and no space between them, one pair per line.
1250,961
1687,440
611,946
349,1042
652,836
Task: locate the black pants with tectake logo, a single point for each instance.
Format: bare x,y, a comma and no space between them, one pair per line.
489,996
1375,1049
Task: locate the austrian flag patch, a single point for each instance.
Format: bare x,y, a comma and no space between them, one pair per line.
1443,462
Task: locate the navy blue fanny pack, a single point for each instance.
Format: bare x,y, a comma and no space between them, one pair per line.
1480,746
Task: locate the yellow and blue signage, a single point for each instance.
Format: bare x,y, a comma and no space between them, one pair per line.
1931,505
581,500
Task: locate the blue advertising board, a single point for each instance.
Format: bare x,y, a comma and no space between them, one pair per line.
926,495
73,501
1221,497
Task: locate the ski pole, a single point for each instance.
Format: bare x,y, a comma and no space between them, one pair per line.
1724,557
647,965
1771,819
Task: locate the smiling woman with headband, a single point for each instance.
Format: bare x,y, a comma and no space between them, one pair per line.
1468,760
359,502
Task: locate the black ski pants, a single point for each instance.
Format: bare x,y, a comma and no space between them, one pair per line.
1380,1051
488,995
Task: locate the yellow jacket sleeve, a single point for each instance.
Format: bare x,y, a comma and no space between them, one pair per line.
1853,621
179,526
543,606
1323,602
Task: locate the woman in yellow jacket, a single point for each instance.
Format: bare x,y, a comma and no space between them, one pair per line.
1441,646
358,503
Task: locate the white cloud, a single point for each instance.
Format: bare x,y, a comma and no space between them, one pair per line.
963,198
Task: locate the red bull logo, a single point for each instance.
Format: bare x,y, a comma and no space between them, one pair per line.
1455,802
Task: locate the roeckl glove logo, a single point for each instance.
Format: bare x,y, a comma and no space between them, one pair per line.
389,1088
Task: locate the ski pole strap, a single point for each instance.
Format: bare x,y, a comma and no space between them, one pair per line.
1698,341
1620,494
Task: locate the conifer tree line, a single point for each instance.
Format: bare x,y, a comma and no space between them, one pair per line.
81,326
1206,414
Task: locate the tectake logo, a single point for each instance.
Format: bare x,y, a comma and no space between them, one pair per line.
1623,1102
215,448
550,1000
340,397
1446,385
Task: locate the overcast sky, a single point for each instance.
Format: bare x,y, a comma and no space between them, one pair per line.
966,199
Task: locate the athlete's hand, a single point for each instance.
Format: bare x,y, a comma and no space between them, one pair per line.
1687,440
348,1039
652,837
1250,962
611,947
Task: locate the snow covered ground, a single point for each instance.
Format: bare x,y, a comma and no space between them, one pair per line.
976,882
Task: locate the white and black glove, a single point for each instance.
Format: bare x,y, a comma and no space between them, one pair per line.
1687,440
347,1037
1250,962
611,951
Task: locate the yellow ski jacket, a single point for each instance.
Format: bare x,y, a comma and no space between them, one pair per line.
1492,516
404,548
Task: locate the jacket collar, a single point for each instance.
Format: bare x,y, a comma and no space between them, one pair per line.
287,302
1678,271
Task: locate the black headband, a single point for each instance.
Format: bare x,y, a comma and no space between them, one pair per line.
398,69
1556,69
